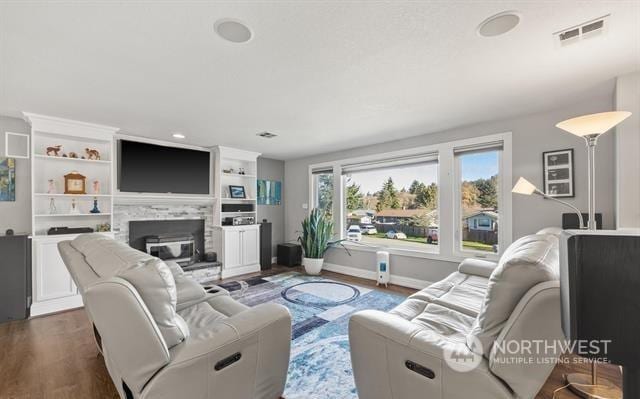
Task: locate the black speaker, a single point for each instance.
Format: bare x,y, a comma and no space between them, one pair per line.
599,280
289,254
265,245
237,207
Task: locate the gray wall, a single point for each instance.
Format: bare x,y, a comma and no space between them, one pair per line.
627,147
272,169
532,135
16,215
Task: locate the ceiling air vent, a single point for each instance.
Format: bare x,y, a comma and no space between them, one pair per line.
586,30
267,135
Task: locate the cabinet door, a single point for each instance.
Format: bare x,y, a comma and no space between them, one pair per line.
232,249
51,276
250,247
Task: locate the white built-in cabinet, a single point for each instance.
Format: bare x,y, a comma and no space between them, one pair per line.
52,286
240,249
239,245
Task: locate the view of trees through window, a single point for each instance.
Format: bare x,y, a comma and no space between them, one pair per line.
397,203
323,191
479,200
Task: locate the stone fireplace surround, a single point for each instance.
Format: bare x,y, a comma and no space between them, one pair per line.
125,213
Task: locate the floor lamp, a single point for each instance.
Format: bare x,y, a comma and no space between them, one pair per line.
590,127
525,187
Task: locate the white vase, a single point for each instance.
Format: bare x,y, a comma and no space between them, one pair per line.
312,265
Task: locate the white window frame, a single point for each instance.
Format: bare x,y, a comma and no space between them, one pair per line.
449,203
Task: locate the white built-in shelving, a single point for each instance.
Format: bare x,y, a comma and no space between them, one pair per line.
53,288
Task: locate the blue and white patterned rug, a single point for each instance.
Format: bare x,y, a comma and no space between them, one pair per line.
320,364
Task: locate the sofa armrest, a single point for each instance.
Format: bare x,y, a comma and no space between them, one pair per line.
477,267
385,324
258,342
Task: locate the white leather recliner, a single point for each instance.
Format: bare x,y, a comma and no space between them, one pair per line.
163,336
493,313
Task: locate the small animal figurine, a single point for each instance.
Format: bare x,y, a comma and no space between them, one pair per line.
73,155
54,150
92,154
52,187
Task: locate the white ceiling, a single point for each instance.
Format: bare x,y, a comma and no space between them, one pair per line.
322,75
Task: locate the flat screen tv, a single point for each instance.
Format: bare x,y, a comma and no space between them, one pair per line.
151,168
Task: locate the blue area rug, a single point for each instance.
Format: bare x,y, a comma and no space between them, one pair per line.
320,364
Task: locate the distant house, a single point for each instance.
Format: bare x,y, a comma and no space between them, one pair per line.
361,216
398,216
482,221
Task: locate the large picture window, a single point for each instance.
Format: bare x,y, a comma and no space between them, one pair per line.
444,201
393,203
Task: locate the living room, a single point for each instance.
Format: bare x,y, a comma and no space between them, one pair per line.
319,199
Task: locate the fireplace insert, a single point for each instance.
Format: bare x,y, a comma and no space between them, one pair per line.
179,248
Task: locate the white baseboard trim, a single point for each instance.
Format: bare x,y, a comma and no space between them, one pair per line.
55,305
408,282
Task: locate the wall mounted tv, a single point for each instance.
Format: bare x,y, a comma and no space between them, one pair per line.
151,168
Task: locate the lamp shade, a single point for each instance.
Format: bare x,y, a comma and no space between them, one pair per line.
524,186
594,123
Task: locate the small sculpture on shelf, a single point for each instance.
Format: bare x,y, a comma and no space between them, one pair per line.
54,150
241,171
103,227
75,209
73,155
52,206
96,186
228,171
95,206
51,189
92,154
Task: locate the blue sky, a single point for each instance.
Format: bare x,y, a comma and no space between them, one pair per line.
474,166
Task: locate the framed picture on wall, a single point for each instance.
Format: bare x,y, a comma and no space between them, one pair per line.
557,173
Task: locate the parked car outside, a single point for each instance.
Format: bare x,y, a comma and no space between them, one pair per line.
396,235
369,229
354,233
432,235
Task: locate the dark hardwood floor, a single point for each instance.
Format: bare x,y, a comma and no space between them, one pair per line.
55,357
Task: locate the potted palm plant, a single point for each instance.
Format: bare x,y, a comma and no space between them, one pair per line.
317,230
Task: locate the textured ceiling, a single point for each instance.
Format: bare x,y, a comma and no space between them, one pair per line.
321,75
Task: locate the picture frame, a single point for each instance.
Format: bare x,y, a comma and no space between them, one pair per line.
7,179
237,192
558,173
75,183
269,192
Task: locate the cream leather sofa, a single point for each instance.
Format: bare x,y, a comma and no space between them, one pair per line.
474,313
163,336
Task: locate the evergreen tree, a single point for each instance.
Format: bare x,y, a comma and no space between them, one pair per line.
354,197
487,192
427,196
388,196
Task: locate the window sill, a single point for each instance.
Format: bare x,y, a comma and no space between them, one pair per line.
351,246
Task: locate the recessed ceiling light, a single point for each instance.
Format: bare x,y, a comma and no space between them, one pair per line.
178,136
499,24
267,135
233,30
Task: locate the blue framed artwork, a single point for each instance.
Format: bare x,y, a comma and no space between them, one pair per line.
269,192
7,179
